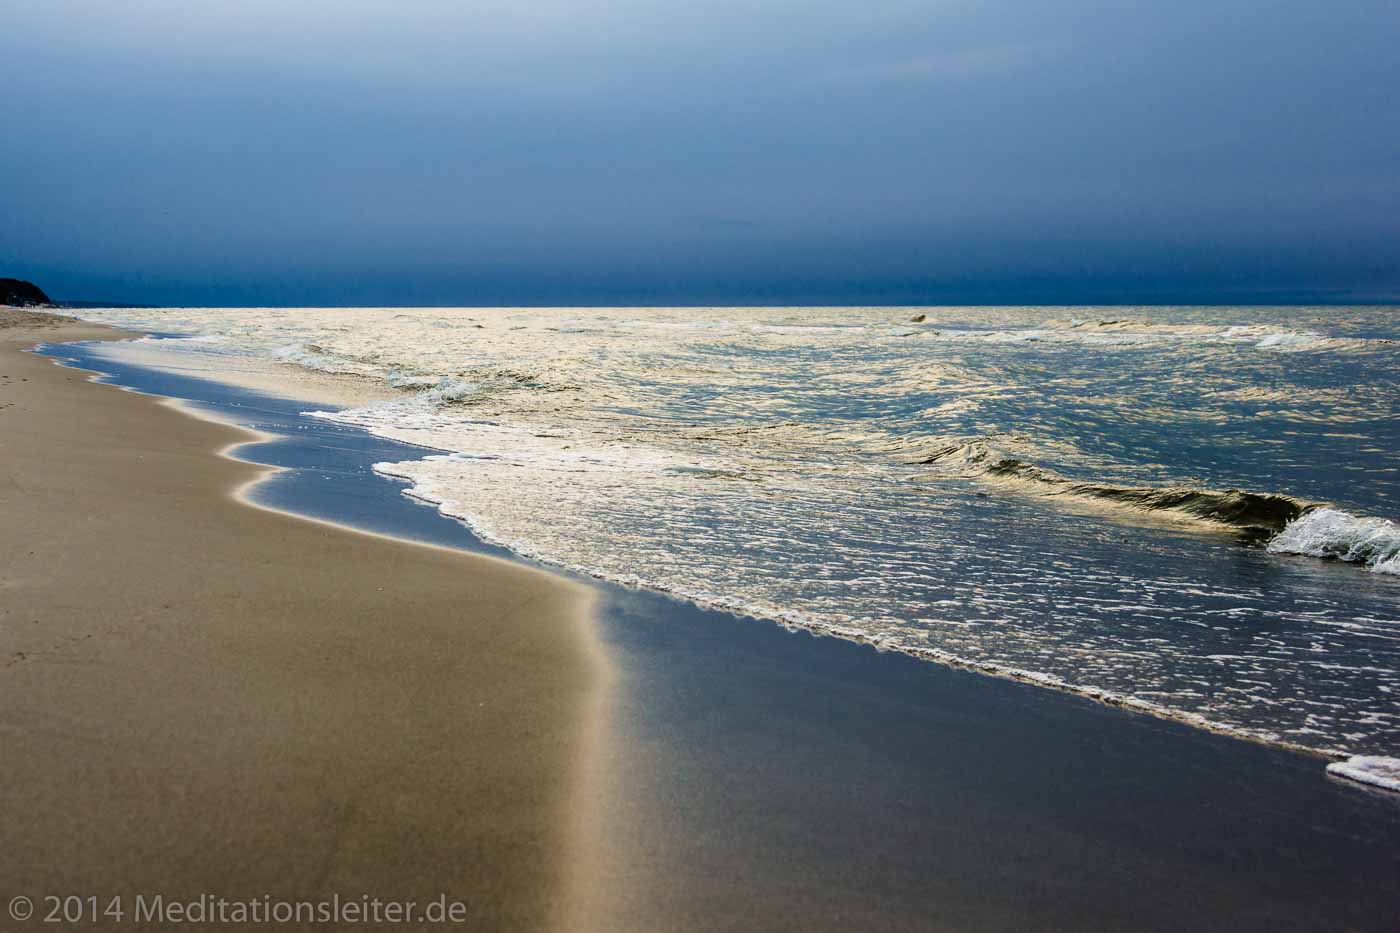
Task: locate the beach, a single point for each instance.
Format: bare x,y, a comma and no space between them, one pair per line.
700,468
201,696
207,690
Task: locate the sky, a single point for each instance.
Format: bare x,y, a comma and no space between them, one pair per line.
432,152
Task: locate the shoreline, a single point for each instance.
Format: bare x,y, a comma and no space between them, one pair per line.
759,777
288,380
212,697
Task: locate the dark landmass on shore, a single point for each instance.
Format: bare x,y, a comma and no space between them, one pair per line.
17,293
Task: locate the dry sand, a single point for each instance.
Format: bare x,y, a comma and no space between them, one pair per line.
198,696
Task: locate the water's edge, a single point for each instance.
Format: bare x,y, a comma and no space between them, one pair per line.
280,418
743,751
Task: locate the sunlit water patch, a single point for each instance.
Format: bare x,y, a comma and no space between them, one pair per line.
1054,494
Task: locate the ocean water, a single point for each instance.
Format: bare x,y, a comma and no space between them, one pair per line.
1181,510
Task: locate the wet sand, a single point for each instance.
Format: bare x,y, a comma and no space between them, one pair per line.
203,697
774,780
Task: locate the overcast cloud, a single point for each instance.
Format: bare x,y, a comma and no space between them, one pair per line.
429,152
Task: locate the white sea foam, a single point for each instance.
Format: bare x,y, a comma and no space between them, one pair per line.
1290,340
1369,769
311,357
1372,542
431,482
1130,334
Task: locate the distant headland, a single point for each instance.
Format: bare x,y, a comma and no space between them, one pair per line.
17,293
21,294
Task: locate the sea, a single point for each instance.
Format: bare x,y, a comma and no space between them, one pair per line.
1183,511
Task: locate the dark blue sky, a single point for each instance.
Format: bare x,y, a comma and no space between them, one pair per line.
628,151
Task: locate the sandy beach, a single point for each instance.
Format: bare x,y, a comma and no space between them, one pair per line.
205,697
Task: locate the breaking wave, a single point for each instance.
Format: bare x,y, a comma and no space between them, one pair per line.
1282,523
1331,533
1128,333
1375,770
1255,515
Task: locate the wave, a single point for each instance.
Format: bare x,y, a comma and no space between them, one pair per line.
1369,769
1129,333
1254,515
1260,336
1282,523
1332,533
310,356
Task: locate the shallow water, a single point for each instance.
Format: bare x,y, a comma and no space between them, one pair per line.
792,463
